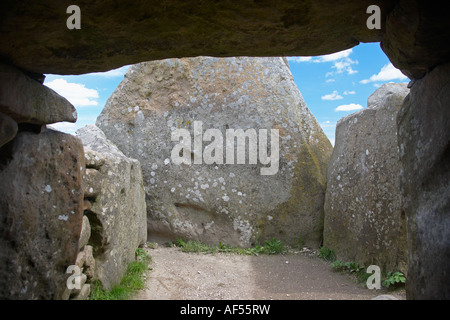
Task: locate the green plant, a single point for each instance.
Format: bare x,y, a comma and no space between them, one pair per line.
327,254
351,267
194,246
273,247
225,248
132,280
300,243
354,267
180,243
152,245
140,254
338,265
394,279
270,247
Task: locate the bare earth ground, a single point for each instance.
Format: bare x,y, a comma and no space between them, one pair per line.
176,275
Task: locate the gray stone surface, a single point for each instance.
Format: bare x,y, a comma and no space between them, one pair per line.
414,33
364,219
230,203
26,100
116,32
41,212
85,233
424,141
8,129
118,211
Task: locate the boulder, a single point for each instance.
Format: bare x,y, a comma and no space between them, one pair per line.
8,129
222,199
424,141
118,211
364,218
27,101
414,33
41,212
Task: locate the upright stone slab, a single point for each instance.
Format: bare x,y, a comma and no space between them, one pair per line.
424,141
117,215
41,212
219,202
364,218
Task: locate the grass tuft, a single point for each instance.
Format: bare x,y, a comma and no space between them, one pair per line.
132,281
270,247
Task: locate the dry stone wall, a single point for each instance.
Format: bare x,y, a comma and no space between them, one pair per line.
85,272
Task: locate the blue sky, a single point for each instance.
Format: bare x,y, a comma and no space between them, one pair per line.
332,85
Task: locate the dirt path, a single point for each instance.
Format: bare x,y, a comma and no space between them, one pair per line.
176,275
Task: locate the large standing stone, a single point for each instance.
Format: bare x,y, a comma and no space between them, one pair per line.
118,213
424,141
40,212
231,203
364,219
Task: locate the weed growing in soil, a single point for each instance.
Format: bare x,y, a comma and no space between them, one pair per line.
270,247
351,267
132,281
394,280
327,254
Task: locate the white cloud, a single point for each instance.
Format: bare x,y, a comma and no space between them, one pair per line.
388,72
349,92
334,56
341,61
66,127
119,72
349,107
332,96
71,128
345,66
328,124
325,58
299,59
76,93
